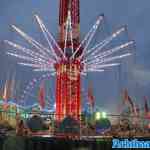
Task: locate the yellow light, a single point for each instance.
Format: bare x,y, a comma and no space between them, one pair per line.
97,115
104,115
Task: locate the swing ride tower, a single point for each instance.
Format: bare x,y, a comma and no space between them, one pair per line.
68,82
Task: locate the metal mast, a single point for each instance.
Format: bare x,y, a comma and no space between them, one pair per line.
68,98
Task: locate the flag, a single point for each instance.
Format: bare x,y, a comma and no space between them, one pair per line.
131,104
5,93
12,87
5,96
146,109
91,96
125,96
42,96
134,108
127,99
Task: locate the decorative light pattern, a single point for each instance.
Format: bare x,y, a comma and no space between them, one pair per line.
44,58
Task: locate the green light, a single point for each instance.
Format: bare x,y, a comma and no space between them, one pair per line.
104,115
97,115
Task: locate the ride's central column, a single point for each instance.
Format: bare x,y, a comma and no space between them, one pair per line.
68,96
68,71
64,7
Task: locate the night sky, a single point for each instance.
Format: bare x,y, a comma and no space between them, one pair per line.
133,74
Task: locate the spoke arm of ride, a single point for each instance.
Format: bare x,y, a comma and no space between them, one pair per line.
30,40
90,69
44,69
37,65
27,58
89,36
84,73
108,52
50,36
42,27
93,70
71,34
29,52
102,66
68,29
66,33
105,42
104,60
95,27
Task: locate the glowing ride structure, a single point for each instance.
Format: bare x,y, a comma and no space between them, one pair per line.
68,58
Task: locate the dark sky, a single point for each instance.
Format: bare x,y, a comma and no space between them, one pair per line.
133,13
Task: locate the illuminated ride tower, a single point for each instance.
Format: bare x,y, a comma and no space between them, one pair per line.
68,82
68,57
